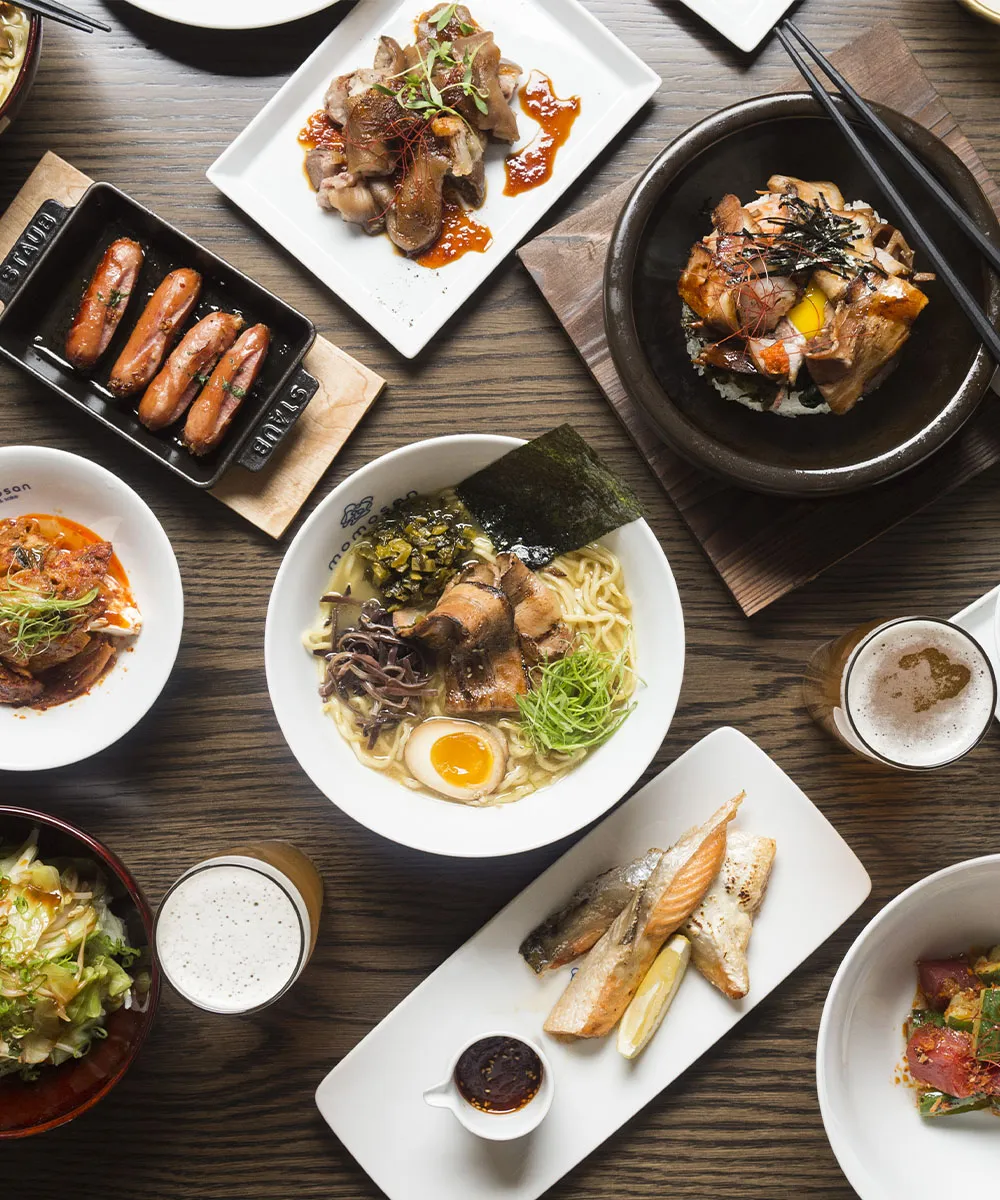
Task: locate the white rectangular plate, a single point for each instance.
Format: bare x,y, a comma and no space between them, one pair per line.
744,22
262,170
373,1098
978,619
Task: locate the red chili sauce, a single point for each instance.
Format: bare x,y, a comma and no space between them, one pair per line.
533,165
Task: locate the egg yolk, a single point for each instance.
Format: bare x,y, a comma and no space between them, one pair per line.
809,315
462,759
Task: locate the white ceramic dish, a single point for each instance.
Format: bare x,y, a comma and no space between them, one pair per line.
884,1147
232,14
414,818
373,1098
744,22
43,480
982,620
262,170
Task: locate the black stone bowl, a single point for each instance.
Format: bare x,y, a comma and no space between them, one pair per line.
942,373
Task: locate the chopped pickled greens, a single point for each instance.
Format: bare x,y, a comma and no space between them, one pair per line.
939,1104
63,960
415,549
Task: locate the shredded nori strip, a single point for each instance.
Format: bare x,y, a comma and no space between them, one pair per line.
547,497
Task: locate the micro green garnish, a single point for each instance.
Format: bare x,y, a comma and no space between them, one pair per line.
447,15
30,623
233,389
420,94
115,297
576,702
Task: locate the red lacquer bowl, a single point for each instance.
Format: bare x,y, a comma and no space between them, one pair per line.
64,1092
10,107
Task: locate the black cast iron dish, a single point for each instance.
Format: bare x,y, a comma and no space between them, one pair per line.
942,373
44,276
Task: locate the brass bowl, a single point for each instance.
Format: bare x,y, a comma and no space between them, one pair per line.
984,8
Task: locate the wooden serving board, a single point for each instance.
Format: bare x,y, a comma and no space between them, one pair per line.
764,546
269,498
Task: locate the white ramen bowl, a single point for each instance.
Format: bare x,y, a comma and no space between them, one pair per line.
885,1148
37,479
418,819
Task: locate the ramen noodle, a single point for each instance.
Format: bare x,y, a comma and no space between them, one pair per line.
15,26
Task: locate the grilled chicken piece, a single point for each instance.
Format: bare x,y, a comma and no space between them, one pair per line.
18,689
762,302
609,976
719,928
867,332
704,287
414,222
585,917
323,162
729,216
537,612
812,193
80,673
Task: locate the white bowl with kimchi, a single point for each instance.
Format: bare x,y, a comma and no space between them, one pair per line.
91,608
887,1143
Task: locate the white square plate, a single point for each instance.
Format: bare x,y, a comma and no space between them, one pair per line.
744,22
373,1099
262,170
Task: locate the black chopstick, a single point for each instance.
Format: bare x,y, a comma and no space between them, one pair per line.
907,218
906,156
64,15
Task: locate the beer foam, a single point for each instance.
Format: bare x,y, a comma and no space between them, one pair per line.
920,693
229,938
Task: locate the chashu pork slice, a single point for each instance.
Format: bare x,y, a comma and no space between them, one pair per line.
609,976
719,928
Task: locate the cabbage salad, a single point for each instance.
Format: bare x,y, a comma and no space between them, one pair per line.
63,960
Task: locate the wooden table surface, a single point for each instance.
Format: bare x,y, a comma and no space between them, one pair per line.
221,1108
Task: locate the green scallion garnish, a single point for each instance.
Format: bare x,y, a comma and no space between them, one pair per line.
576,702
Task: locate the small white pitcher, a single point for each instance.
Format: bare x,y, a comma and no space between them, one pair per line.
497,1127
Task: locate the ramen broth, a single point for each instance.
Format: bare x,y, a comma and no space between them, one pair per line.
15,26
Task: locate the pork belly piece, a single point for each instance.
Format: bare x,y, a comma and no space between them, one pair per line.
74,677
414,222
867,333
485,681
762,302
537,611
729,216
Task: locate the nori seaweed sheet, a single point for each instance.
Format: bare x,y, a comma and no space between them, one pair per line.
549,496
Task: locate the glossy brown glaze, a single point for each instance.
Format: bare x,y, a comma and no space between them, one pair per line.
532,166
319,130
498,1075
460,233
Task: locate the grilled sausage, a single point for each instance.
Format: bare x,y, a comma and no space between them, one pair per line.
104,303
212,412
156,331
168,396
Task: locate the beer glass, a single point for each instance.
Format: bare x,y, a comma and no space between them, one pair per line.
914,693
235,931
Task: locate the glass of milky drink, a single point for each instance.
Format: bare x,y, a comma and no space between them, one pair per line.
914,693
235,932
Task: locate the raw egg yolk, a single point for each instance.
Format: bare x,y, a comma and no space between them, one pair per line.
463,759
809,315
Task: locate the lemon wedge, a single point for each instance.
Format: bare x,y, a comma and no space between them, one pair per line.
656,993
809,315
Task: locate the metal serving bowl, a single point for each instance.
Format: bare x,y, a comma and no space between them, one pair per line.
941,374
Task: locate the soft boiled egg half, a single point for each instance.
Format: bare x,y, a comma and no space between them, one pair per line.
462,760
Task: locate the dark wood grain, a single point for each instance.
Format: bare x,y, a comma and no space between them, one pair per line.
222,1109
764,547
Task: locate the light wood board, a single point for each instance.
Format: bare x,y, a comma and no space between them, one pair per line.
269,498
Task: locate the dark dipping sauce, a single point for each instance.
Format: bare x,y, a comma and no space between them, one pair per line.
533,165
499,1075
319,130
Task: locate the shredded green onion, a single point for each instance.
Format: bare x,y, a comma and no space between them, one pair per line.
576,701
30,623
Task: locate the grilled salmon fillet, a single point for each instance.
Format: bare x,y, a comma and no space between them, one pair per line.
607,980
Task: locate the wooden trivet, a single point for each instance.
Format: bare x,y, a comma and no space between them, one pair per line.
763,546
269,498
